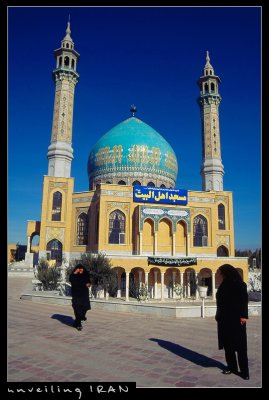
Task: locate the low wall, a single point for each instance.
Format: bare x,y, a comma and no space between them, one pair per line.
185,310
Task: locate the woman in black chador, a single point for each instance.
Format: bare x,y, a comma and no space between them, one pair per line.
231,316
80,283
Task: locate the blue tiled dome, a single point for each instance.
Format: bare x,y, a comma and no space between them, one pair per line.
132,150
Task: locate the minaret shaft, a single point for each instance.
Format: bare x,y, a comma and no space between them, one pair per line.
212,170
60,151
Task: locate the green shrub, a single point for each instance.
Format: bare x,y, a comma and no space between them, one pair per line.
49,276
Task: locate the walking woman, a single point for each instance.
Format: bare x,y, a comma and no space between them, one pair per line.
80,283
231,317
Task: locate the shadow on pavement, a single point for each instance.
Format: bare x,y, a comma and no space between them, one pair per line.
188,354
64,319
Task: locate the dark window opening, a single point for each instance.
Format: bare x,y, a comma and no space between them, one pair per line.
82,229
56,206
136,183
66,61
222,251
221,216
116,227
56,250
200,233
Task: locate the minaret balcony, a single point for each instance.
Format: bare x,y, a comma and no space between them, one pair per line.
65,69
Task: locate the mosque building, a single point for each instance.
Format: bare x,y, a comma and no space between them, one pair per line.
132,212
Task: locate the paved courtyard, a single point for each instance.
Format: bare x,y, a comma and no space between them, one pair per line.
118,347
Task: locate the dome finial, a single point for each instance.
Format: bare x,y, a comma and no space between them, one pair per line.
207,56
133,109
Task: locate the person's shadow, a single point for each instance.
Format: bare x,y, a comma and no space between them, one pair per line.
64,319
188,354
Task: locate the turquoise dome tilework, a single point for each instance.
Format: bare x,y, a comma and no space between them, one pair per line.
132,147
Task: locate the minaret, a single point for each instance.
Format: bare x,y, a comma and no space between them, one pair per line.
212,170
60,151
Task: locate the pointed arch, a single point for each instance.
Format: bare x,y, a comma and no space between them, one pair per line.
222,251
148,236
200,231
56,206
55,248
66,61
117,225
165,236
181,236
82,229
221,216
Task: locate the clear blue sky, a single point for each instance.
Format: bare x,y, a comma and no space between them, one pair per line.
149,56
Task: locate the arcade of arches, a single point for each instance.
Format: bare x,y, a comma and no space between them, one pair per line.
160,282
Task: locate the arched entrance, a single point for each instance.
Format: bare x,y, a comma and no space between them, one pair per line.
205,279
55,248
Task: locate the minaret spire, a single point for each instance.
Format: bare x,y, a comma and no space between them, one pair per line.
212,170
208,69
60,151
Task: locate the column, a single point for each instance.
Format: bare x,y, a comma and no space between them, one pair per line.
188,245
139,278
147,278
155,284
188,285
214,285
140,242
182,283
147,283
196,282
162,285
119,286
174,281
28,244
174,244
127,286
155,243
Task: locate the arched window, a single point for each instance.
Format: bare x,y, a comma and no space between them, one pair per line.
206,88
82,229
136,183
121,183
221,216
66,61
73,63
67,45
60,61
163,186
200,231
151,184
222,251
56,206
212,87
55,248
116,233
